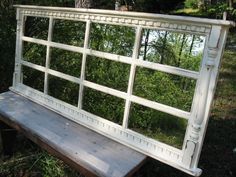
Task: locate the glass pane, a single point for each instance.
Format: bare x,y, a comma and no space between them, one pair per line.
157,125
33,78
69,32
63,90
108,73
172,90
103,105
169,48
34,53
37,27
66,61
112,39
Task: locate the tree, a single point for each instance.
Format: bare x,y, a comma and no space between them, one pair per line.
7,43
230,3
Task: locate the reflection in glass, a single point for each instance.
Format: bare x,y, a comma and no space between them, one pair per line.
36,27
103,105
169,48
34,53
69,32
169,89
157,125
113,39
63,90
66,61
33,78
108,73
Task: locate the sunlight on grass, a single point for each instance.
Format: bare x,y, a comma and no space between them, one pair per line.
226,88
187,11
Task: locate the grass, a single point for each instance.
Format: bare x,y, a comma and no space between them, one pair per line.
29,160
218,158
187,11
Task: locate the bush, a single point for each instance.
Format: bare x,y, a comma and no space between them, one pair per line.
191,4
218,9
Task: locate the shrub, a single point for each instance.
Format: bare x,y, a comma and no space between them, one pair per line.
191,4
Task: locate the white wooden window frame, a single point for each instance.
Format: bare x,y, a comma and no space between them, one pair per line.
215,32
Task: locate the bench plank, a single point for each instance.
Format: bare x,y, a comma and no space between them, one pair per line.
89,152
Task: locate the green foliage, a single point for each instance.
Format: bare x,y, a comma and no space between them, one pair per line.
49,166
107,73
164,88
30,160
112,39
104,105
169,48
157,125
64,90
217,10
75,35
33,78
191,4
66,61
7,44
34,53
37,27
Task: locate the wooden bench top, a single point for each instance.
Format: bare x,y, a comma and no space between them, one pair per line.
87,151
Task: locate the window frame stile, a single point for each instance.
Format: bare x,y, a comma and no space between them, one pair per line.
82,74
48,54
18,76
138,38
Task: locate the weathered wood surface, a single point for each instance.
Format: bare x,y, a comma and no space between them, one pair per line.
85,150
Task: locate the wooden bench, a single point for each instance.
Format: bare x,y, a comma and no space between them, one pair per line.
85,150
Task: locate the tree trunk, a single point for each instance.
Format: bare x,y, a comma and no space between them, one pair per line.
146,44
83,3
203,4
191,46
163,48
181,49
230,2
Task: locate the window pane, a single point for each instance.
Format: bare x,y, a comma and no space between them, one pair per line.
69,32
63,90
172,90
37,27
34,53
33,78
112,39
66,61
157,125
169,48
108,73
103,105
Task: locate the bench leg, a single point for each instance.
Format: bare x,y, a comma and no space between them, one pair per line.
1,142
7,139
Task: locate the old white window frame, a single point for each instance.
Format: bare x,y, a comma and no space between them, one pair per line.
215,32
